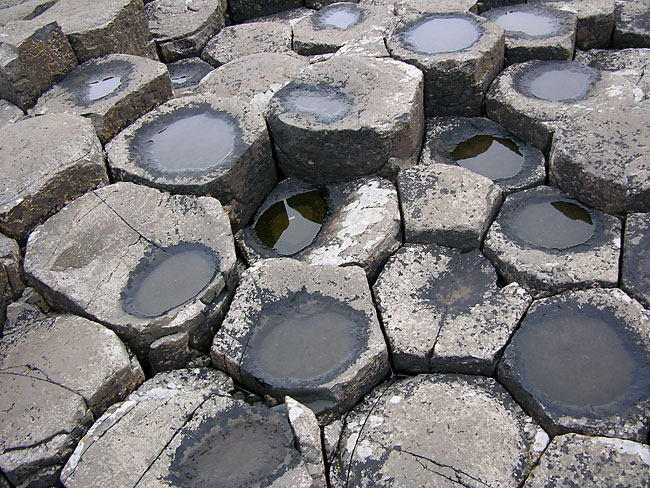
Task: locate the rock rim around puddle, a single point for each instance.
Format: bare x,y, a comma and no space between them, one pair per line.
580,362
200,145
310,332
349,223
46,162
109,256
111,91
437,430
635,278
327,126
186,74
442,310
486,148
548,242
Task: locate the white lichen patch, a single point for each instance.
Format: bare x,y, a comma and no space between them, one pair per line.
630,448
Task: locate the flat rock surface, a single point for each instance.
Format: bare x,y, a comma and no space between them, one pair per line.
631,24
636,257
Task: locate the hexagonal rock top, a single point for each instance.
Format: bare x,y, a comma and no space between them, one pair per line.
11,275
46,161
350,223
200,145
636,257
580,362
442,310
548,242
310,332
55,375
437,430
144,263
348,117
577,460
112,92
459,54
631,24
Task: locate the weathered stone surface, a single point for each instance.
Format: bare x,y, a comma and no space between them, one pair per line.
580,362
486,148
130,257
241,10
11,275
291,16
541,252
361,225
373,47
9,113
455,77
214,146
33,56
169,352
112,92
308,439
629,63
237,41
326,368
485,5
403,7
55,374
327,125
181,29
577,460
23,9
318,4
635,278
447,205
631,24
46,162
186,75
438,430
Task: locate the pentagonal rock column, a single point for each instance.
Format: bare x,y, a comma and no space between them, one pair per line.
548,242
328,124
201,146
310,332
631,24
9,113
186,75
144,263
636,257
11,275
350,223
47,161
112,92
241,10
580,362
437,430
486,148
459,54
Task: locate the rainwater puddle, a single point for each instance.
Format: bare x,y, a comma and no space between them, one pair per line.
340,17
442,35
101,87
326,105
560,83
185,74
532,24
493,157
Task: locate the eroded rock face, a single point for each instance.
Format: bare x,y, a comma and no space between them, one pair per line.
636,257
11,275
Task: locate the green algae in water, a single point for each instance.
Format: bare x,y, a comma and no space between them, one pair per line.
290,225
493,157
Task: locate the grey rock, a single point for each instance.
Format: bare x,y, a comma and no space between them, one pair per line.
186,74
631,24
24,10
447,205
28,308
9,113
485,5
4,483
577,460
318,4
93,257
331,437
169,352
181,29
241,10
11,275
239,178
307,433
403,7
629,63
373,46
112,92
635,278
46,162
291,16
328,373
437,430
327,126
200,361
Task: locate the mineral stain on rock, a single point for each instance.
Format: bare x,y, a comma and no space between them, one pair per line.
529,23
493,157
325,104
441,34
558,81
340,17
103,86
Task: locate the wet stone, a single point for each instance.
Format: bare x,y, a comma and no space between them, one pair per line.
11,275
636,257
46,162
437,430
310,332
186,75
631,24
447,205
241,10
548,242
199,145
112,92
327,127
580,362
9,113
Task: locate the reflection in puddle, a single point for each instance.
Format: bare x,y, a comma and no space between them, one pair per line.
102,87
493,157
442,35
326,105
532,24
560,84
340,17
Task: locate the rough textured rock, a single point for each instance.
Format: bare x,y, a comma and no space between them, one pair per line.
241,10
447,205
23,9
186,75
327,126
442,310
112,92
324,369
635,278
628,63
9,113
169,352
308,439
230,159
11,275
46,162
485,5
403,7
437,430
631,24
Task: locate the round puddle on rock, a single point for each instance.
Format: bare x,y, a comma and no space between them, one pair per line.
529,23
441,35
168,278
101,87
559,81
325,104
339,17
493,157
292,224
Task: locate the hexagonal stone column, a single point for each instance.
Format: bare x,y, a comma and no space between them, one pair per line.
459,54
11,275
55,375
437,430
328,125
186,75
631,24
635,278
112,92
350,223
548,242
241,10
310,332
144,263
486,148
201,146
47,161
